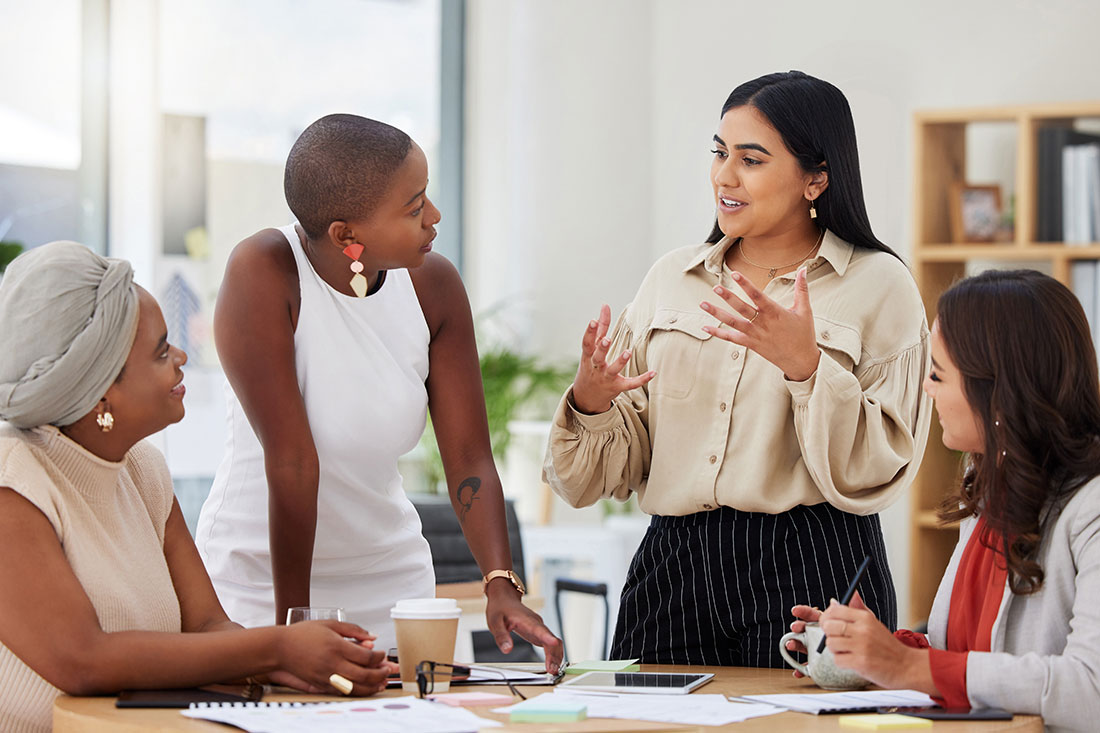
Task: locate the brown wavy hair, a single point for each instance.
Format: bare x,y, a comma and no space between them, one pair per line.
1024,348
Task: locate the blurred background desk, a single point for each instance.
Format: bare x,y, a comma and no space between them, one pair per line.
99,715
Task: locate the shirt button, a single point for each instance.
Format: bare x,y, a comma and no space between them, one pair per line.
673,319
735,355
825,335
707,506
722,407
712,459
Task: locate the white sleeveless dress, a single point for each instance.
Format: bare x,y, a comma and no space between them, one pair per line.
361,365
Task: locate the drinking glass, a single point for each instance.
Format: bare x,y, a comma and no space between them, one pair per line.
313,613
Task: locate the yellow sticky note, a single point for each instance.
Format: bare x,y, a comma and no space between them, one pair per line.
890,721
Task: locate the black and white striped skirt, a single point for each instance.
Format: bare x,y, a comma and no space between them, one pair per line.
717,587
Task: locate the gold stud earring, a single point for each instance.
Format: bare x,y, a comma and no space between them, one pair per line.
105,420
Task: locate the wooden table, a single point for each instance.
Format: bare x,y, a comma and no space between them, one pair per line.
99,715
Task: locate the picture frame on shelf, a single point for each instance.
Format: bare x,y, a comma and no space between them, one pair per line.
975,212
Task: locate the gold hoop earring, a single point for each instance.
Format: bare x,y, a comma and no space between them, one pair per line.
105,420
813,211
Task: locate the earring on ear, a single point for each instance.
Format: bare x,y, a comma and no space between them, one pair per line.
813,211
358,281
104,419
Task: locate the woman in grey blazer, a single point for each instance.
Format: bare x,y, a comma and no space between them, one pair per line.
1016,621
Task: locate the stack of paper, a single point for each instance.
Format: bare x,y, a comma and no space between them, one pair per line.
383,715
533,673
846,702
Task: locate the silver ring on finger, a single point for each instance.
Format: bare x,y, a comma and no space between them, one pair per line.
754,315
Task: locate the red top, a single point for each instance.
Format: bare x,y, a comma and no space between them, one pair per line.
975,600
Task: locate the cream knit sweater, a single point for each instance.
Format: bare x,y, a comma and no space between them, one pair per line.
109,519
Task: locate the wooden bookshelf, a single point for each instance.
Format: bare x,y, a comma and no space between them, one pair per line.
939,161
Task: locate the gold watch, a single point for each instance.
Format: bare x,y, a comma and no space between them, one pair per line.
511,576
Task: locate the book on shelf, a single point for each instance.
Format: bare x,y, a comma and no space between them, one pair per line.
1052,141
1081,193
1092,186
1085,282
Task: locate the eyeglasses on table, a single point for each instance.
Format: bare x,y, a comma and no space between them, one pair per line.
427,670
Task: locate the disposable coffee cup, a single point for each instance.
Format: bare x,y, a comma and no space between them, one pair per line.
426,631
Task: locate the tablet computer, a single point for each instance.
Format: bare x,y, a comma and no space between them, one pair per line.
184,697
660,683
938,713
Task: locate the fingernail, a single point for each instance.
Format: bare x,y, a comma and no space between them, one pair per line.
605,342
507,646
705,306
591,324
626,354
833,602
719,289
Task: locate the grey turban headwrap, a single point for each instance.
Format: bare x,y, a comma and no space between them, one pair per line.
67,322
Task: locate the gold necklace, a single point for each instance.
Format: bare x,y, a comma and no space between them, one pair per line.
772,270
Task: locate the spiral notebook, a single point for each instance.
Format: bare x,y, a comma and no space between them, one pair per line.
868,701
378,715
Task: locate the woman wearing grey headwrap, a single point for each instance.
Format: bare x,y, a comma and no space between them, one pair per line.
88,521
69,317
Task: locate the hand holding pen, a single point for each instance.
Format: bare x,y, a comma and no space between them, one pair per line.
848,594
861,643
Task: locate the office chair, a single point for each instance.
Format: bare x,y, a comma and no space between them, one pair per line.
454,563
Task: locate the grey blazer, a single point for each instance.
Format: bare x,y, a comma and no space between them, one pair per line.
1045,657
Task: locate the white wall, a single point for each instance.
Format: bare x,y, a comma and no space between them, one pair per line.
558,160
589,126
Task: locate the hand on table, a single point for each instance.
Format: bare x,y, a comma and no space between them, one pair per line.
598,380
783,336
505,613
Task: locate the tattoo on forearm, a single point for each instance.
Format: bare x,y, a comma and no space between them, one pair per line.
467,493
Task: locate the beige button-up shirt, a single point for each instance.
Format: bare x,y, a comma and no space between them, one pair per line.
721,426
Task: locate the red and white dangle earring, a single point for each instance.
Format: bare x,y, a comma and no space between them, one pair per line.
358,282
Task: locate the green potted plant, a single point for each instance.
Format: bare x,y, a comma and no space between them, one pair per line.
516,386
8,252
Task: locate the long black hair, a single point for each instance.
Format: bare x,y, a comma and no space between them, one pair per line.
814,120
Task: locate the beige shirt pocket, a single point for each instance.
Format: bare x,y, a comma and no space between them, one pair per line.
840,341
674,340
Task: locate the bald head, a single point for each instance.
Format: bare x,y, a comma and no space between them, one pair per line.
340,168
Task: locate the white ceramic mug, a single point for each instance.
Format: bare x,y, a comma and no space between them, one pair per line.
821,668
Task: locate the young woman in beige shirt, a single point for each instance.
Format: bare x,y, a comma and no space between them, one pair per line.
761,394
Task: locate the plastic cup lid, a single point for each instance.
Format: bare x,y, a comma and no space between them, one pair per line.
426,608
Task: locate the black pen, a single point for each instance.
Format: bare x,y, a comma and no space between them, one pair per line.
848,594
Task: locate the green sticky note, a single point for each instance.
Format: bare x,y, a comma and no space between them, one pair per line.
603,665
548,711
